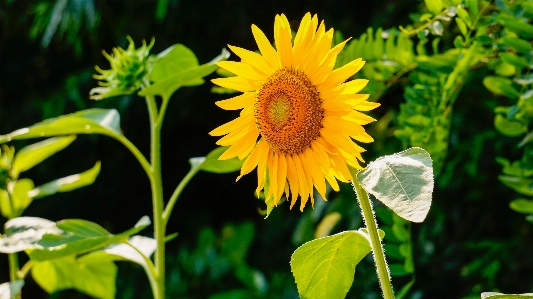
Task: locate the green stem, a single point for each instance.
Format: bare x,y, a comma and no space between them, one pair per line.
375,241
13,257
150,270
177,192
157,196
25,269
135,151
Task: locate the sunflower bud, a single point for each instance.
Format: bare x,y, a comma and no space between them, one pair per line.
128,68
7,155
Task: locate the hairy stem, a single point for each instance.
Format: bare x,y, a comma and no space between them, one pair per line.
375,242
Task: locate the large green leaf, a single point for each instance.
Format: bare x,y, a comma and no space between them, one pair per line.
34,154
9,289
175,59
403,182
25,232
66,184
189,77
324,268
213,164
94,278
79,236
492,295
91,121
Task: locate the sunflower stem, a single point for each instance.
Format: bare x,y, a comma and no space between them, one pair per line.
375,241
174,198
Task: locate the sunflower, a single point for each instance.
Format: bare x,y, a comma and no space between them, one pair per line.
299,117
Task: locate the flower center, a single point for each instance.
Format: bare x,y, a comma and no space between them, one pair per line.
288,111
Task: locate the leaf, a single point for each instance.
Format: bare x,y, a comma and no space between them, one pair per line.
522,206
190,77
492,295
66,184
500,86
125,252
324,268
434,6
94,278
518,44
175,59
91,121
520,28
25,232
327,224
34,154
77,236
473,6
462,26
508,127
397,270
403,182
518,184
9,290
19,195
512,59
213,164
463,14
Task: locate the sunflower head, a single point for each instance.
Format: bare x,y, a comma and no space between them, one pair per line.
300,117
128,68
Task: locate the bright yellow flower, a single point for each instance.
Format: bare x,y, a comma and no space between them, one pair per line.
304,114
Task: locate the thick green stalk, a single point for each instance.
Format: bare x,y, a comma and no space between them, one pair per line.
157,197
375,241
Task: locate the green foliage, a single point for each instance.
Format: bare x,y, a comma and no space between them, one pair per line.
324,268
403,182
211,163
505,296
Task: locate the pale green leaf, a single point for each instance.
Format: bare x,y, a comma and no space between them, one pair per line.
500,86
434,6
175,59
324,268
91,121
522,205
66,184
19,196
96,278
403,182
492,295
463,14
34,154
462,26
213,164
9,289
509,127
25,232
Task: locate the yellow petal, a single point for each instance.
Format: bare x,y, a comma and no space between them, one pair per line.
242,70
237,83
236,124
342,126
308,178
283,40
354,86
359,118
265,47
304,186
246,99
338,141
316,172
253,59
282,176
367,106
241,147
363,137
234,136
252,161
292,176
343,73
261,168
273,176
321,155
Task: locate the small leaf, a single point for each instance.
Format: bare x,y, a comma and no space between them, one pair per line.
434,6
397,270
324,268
213,164
509,127
522,206
176,59
91,121
512,59
473,6
34,154
9,290
66,184
491,295
520,45
403,182
500,86
518,184
96,278
462,26
327,224
463,14
520,28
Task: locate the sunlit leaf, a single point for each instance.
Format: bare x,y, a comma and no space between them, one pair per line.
25,232
213,164
520,28
190,77
9,289
177,58
324,268
522,205
91,121
512,59
95,278
34,154
66,184
403,182
520,45
491,295
500,86
434,6
509,127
